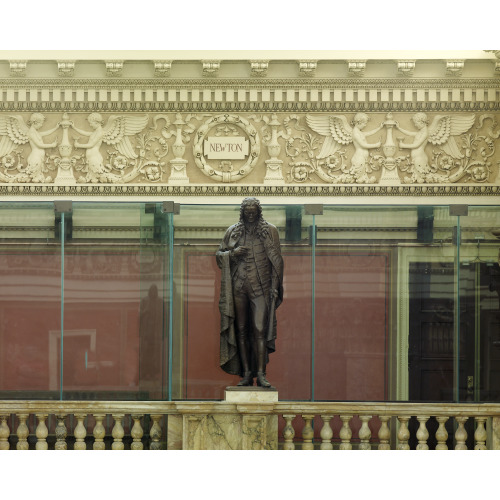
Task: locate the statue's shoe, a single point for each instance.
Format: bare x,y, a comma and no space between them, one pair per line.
262,380
246,380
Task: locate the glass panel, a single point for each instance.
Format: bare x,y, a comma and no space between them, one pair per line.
384,301
30,301
111,349
155,284
480,289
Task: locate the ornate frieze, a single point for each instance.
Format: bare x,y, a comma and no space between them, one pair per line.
385,150
217,136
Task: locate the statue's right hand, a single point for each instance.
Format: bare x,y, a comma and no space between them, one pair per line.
240,251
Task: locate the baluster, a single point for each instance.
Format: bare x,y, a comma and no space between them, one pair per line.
461,434
384,434
99,432
41,432
137,433
80,433
23,432
403,433
480,434
326,433
495,438
155,432
345,433
364,433
288,433
307,433
4,433
441,434
61,433
422,433
118,433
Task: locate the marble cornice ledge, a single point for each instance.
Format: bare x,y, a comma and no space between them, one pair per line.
255,408
402,408
204,407
72,407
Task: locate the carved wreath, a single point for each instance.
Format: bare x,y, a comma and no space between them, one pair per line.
221,174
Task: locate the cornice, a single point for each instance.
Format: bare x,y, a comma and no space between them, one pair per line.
261,64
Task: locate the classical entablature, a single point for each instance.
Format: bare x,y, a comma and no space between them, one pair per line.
351,126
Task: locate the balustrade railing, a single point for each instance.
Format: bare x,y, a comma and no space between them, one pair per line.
78,425
43,425
385,426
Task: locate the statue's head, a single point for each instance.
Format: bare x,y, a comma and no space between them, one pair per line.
250,210
153,292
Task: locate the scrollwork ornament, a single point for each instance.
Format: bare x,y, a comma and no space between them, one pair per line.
219,122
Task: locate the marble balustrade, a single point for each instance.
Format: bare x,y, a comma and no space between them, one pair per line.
132,425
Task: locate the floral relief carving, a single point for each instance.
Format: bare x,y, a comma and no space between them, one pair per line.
448,149
382,149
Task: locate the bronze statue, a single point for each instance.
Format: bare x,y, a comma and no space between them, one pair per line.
251,291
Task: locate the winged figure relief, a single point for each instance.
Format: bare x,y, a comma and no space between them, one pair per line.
15,132
338,132
116,132
441,132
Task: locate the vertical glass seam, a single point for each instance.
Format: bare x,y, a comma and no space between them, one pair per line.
62,307
477,330
456,344
170,219
313,305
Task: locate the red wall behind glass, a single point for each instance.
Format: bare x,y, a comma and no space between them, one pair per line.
351,329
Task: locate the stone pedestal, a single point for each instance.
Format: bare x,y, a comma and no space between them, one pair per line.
242,421
258,429
235,394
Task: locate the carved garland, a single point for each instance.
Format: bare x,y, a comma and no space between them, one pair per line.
225,125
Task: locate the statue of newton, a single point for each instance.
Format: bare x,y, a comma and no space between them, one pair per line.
249,257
